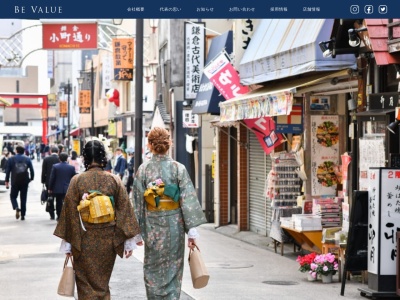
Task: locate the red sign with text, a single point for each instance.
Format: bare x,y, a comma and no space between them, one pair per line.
70,36
264,128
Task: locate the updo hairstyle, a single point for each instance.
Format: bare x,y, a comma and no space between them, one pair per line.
94,152
159,141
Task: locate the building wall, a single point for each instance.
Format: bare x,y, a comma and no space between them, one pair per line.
27,84
207,148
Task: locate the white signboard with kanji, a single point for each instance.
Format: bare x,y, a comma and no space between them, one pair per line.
383,220
190,120
194,57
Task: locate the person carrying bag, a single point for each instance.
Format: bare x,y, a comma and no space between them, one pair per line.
66,286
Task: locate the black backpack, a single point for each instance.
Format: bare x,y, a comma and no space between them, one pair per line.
20,171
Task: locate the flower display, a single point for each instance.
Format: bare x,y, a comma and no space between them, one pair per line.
305,262
324,264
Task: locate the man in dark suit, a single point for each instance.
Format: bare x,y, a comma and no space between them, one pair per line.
131,169
17,167
120,163
47,166
60,178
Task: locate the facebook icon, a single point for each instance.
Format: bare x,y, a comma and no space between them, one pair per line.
368,9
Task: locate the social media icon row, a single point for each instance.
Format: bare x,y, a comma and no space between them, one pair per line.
368,9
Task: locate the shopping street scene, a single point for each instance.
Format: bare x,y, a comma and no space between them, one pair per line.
287,128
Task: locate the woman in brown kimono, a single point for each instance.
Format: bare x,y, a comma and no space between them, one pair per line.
94,247
167,207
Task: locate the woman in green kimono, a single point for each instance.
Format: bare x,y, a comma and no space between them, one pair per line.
94,246
167,207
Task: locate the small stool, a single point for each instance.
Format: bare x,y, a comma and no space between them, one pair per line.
334,249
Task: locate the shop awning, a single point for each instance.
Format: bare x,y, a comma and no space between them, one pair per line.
378,37
282,48
75,132
273,100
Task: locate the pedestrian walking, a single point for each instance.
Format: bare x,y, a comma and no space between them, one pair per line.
3,160
131,169
120,163
61,175
46,151
38,154
94,246
75,161
167,207
21,170
47,166
32,150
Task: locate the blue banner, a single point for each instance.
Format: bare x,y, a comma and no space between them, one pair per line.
205,9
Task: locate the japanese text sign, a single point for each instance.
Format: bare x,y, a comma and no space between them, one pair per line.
194,50
190,120
70,36
84,102
63,109
123,50
224,77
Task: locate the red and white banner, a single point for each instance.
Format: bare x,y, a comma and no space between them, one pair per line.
70,36
264,128
224,77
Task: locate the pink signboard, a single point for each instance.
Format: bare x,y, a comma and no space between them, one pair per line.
224,77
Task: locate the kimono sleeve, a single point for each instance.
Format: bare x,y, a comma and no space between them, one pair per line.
138,196
192,212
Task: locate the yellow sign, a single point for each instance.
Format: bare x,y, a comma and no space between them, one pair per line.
52,99
76,146
112,130
213,155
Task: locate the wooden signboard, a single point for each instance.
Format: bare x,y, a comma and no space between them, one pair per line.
356,258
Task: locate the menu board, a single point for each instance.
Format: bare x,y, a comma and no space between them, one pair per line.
372,154
324,154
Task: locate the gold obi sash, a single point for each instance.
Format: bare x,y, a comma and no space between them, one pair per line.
164,204
96,208
162,197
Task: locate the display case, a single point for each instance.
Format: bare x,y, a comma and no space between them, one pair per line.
287,181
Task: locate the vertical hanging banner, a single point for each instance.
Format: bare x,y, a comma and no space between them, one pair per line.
84,102
224,77
69,36
63,109
106,73
194,50
123,55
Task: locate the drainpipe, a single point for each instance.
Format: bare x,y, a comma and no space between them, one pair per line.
216,181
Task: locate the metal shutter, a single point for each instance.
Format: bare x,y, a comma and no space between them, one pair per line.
259,208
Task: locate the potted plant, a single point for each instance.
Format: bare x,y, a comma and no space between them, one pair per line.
305,262
326,265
